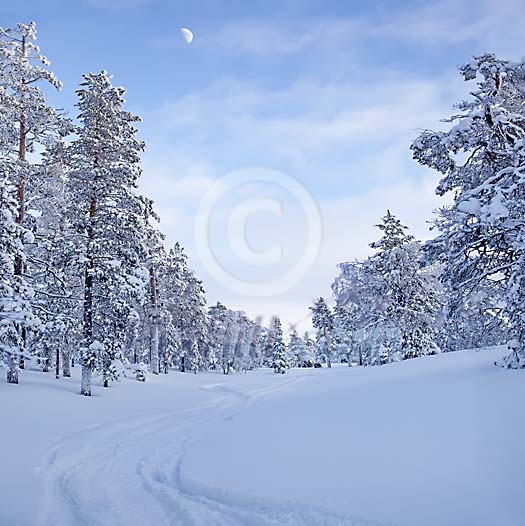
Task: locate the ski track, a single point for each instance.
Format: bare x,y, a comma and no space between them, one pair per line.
128,472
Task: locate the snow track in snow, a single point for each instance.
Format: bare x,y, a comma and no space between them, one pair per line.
128,472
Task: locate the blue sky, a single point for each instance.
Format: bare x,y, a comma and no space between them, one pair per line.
330,92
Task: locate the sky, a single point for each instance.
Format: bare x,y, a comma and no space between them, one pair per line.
279,136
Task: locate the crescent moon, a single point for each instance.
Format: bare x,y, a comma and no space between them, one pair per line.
187,34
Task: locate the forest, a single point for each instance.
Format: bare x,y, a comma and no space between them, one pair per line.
87,280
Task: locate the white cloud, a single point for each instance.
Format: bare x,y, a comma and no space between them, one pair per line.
268,39
493,23
306,121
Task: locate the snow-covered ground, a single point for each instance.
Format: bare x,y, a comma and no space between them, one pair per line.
432,441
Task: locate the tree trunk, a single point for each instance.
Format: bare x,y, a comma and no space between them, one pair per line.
57,363
66,364
85,388
22,362
45,367
19,267
154,328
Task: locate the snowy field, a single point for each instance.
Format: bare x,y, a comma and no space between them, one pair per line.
432,441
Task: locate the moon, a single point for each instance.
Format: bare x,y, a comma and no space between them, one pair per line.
187,34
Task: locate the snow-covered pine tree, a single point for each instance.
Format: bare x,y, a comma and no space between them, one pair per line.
194,331
247,333
482,159
296,350
240,344
26,123
279,362
217,316
196,361
255,350
184,299
355,290
170,342
309,350
171,283
408,304
55,283
169,335
15,309
323,322
473,320
155,248
109,217
346,319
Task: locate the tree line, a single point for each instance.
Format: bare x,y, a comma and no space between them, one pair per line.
86,278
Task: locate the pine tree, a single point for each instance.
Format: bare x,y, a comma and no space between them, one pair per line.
217,315
345,327
155,249
481,159
309,350
54,281
170,342
184,299
355,291
256,346
323,322
26,123
109,217
15,310
267,346
408,301
279,362
296,350
394,235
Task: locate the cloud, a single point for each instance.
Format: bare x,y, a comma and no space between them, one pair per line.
306,121
493,23
268,39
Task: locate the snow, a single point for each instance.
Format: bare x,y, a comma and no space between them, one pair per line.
470,206
496,209
431,441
